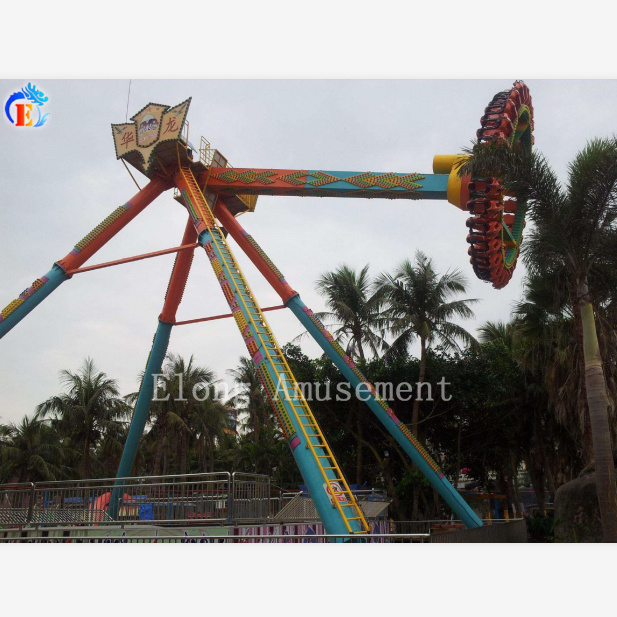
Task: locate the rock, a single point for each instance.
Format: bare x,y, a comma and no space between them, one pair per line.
577,513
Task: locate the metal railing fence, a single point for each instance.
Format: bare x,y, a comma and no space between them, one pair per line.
279,502
146,499
201,539
439,525
507,531
510,532
299,507
215,498
250,497
16,503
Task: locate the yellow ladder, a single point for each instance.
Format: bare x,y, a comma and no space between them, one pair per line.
341,496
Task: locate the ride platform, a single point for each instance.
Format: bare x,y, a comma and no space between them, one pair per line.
156,143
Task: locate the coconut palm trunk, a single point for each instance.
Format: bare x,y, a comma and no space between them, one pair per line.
415,414
587,444
184,446
457,471
359,408
158,456
535,469
597,399
85,463
211,446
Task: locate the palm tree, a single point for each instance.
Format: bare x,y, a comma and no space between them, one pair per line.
354,312
574,236
180,388
272,455
251,397
30,451
493,331
109,451
209,421
86,411
355,315
534,339
420,304
548,353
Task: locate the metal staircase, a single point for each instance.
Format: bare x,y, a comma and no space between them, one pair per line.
295,416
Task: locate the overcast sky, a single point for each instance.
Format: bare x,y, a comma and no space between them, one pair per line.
59,181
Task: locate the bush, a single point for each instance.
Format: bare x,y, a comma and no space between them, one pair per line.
540,528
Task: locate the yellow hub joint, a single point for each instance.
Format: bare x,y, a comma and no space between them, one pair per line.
450,164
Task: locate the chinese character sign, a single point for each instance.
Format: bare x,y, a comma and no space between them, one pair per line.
151,126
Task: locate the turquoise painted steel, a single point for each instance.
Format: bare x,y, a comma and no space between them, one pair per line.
322,183
441,484
140,415
430,186
55,277
309,468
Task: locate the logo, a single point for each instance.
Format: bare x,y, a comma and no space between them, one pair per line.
148,130
22,107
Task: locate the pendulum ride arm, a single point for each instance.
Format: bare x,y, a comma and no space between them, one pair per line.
345,364
167,318
495,227
333,499
312,183
30,298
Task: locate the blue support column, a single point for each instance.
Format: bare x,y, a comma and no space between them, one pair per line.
140,415
307,463
33,297
438,480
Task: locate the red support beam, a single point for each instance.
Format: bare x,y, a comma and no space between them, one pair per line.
189,321
179,275
78,257
126,260
231,224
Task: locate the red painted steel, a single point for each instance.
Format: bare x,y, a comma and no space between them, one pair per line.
126,260
138,203
179,275
236,231
225,316
273,181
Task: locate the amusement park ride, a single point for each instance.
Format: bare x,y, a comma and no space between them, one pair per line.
214,194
